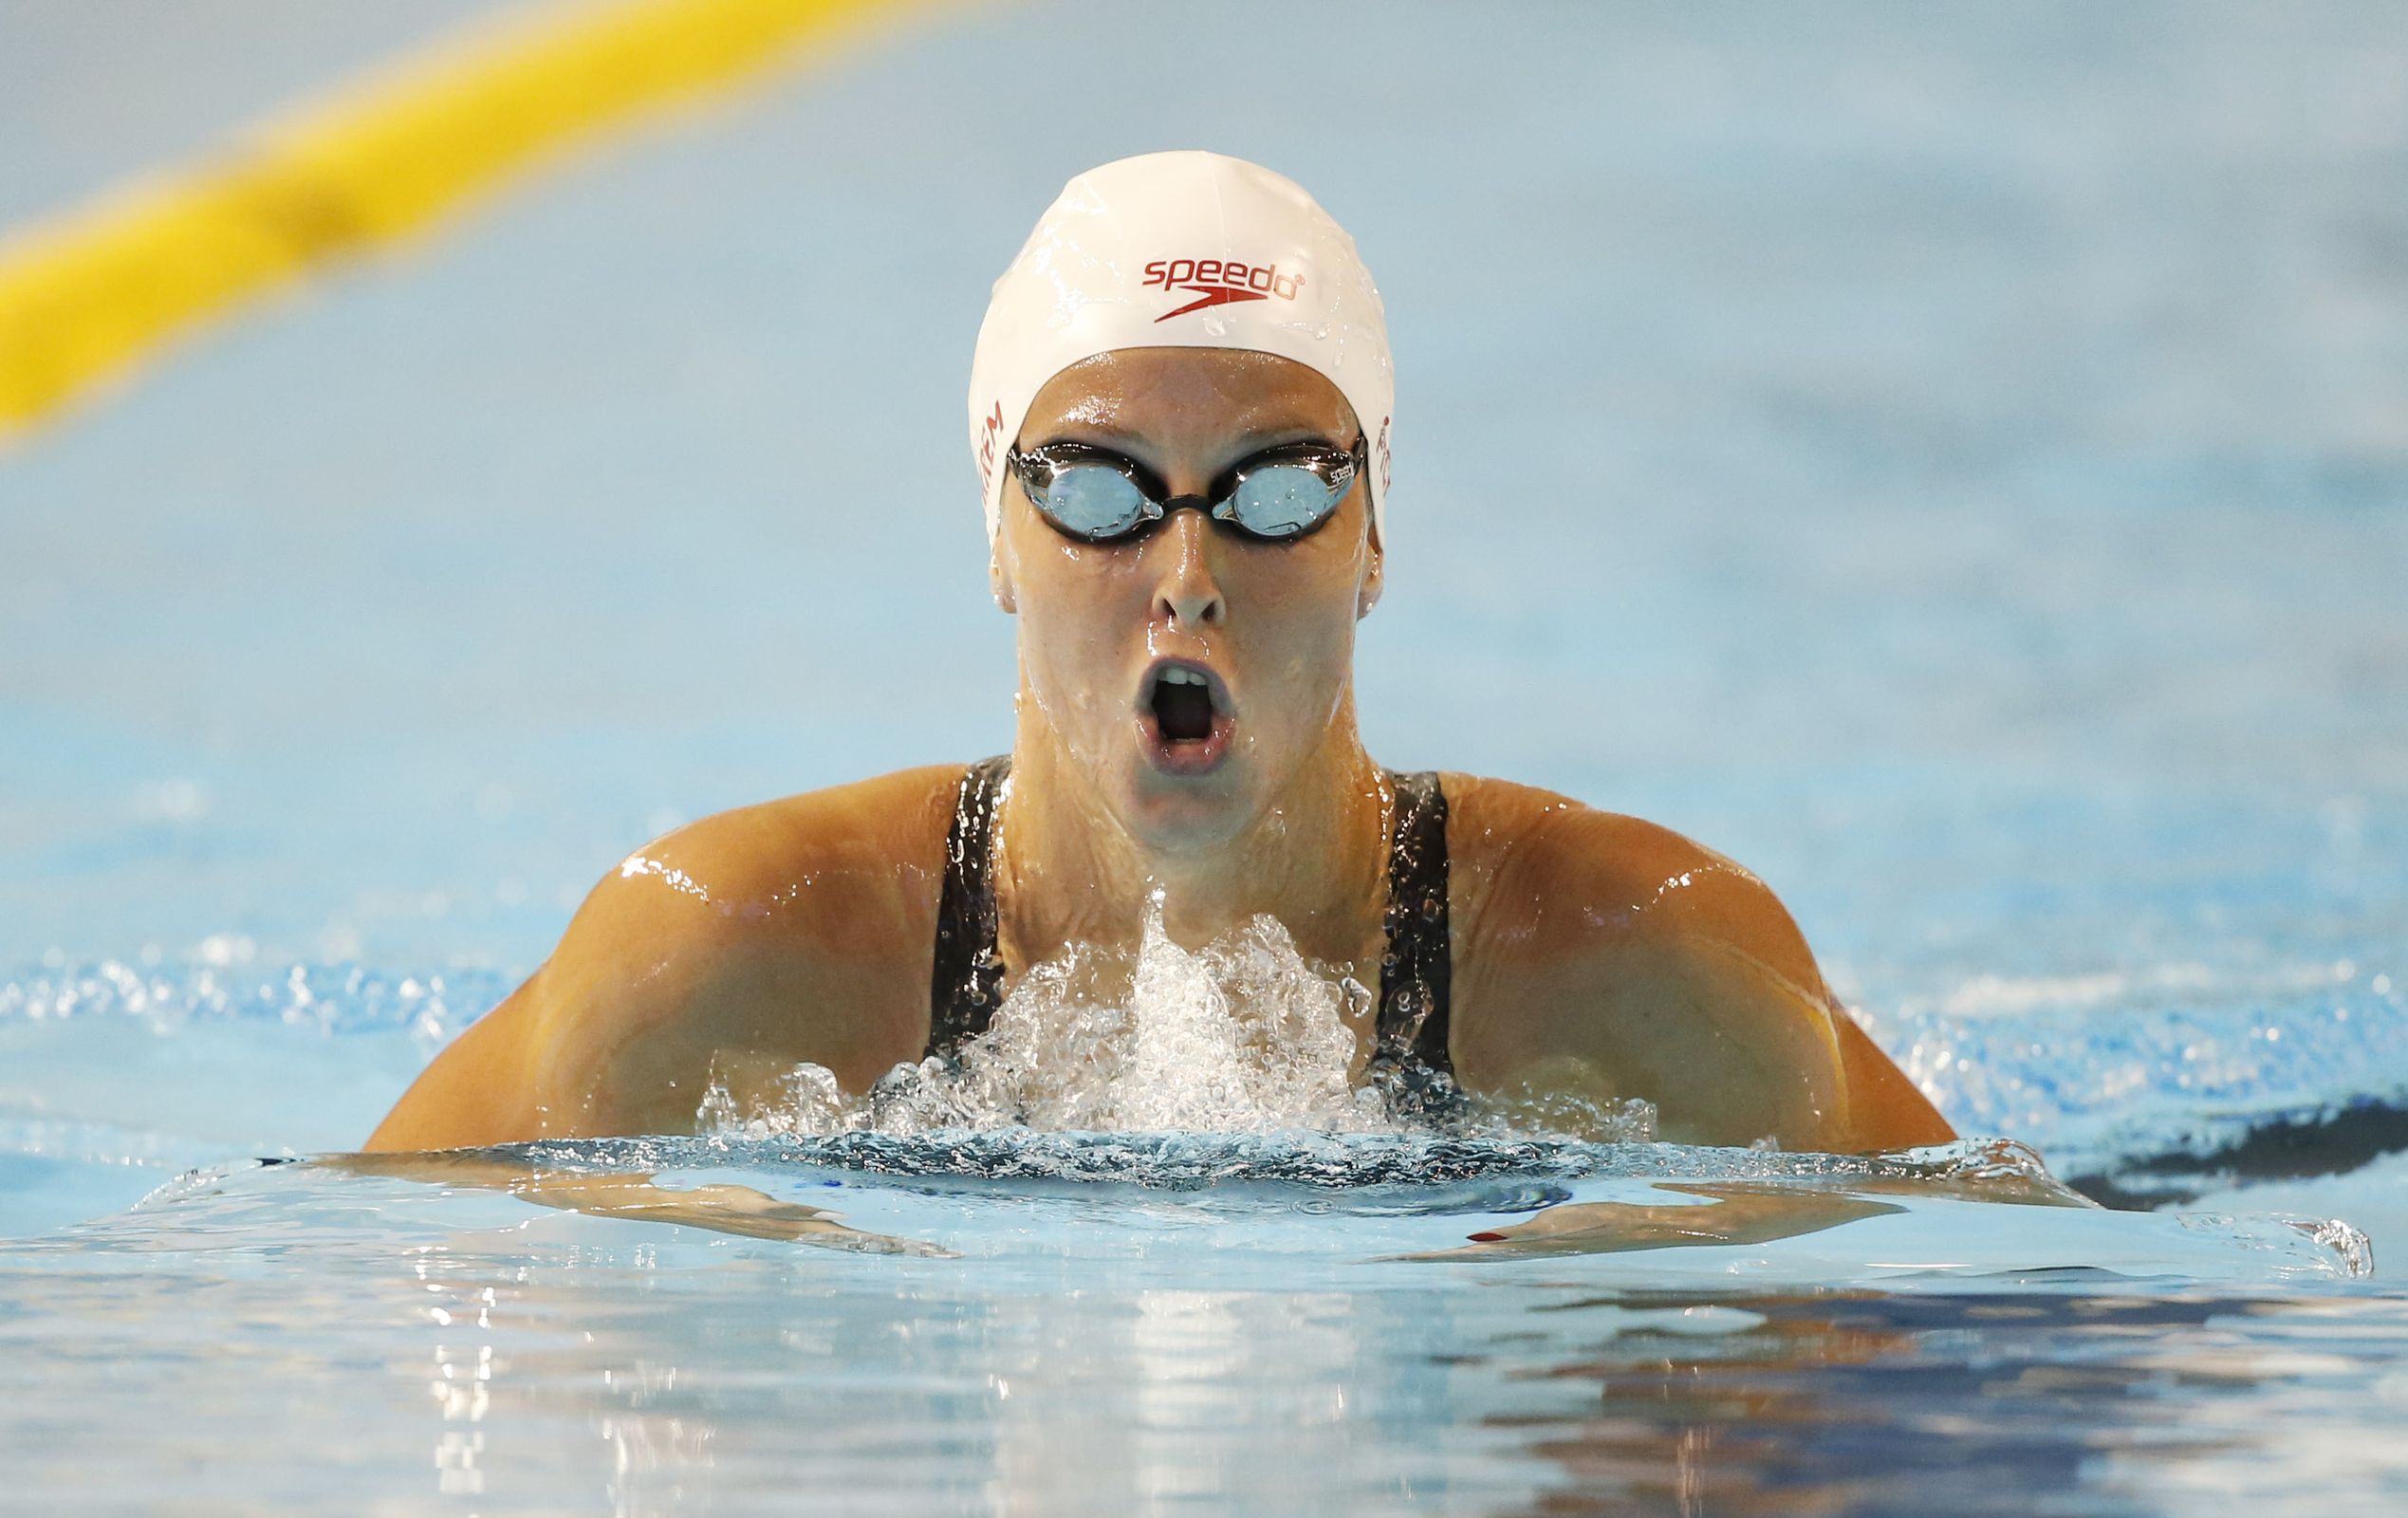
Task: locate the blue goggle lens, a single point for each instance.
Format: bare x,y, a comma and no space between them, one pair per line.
1281,500
1094,501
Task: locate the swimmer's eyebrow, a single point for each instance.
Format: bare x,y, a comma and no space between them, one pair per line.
1140,446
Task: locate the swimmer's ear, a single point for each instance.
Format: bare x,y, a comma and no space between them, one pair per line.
999,578
999,582
1368,596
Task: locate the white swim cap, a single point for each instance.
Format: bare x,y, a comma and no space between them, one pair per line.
1180,250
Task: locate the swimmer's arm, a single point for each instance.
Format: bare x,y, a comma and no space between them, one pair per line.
621,1032
719,1207
651,991
1889,1110
1649,966
587,1048
731,952
474,1092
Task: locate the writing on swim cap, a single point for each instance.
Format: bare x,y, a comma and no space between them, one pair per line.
1180,249
1220,281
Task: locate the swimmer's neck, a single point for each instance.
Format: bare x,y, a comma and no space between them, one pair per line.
1069,872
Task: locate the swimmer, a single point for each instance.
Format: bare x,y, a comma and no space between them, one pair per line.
1180,411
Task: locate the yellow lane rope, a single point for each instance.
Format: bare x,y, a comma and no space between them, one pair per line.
86,296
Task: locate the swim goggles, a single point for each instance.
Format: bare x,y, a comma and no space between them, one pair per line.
1098,496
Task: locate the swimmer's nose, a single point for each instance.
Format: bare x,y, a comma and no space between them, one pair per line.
1187,593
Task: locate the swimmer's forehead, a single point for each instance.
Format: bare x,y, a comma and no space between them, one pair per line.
1187,398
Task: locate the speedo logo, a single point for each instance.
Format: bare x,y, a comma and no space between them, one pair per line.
1219,281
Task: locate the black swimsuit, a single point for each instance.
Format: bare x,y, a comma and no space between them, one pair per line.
967,983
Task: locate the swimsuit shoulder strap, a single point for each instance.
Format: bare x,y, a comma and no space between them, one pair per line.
1415,967
967,979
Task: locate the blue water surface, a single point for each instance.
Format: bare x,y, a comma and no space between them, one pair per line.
1953,459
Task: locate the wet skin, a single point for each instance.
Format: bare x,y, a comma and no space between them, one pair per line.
1594,954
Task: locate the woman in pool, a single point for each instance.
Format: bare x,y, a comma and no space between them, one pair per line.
1180,411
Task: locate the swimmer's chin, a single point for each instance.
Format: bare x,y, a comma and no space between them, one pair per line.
1188,807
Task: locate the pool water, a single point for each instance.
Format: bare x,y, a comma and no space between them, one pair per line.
1952,460
1145,1323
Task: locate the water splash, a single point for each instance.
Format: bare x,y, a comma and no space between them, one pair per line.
2347,1242
1244,1035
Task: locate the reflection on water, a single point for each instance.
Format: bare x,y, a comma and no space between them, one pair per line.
1513,1396
2005,1403
1249,1347
1732,1213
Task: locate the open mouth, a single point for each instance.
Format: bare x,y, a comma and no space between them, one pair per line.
1184,710
1183,705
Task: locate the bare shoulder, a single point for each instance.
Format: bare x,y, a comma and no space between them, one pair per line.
824,871
1653,967
749,941
1564,878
